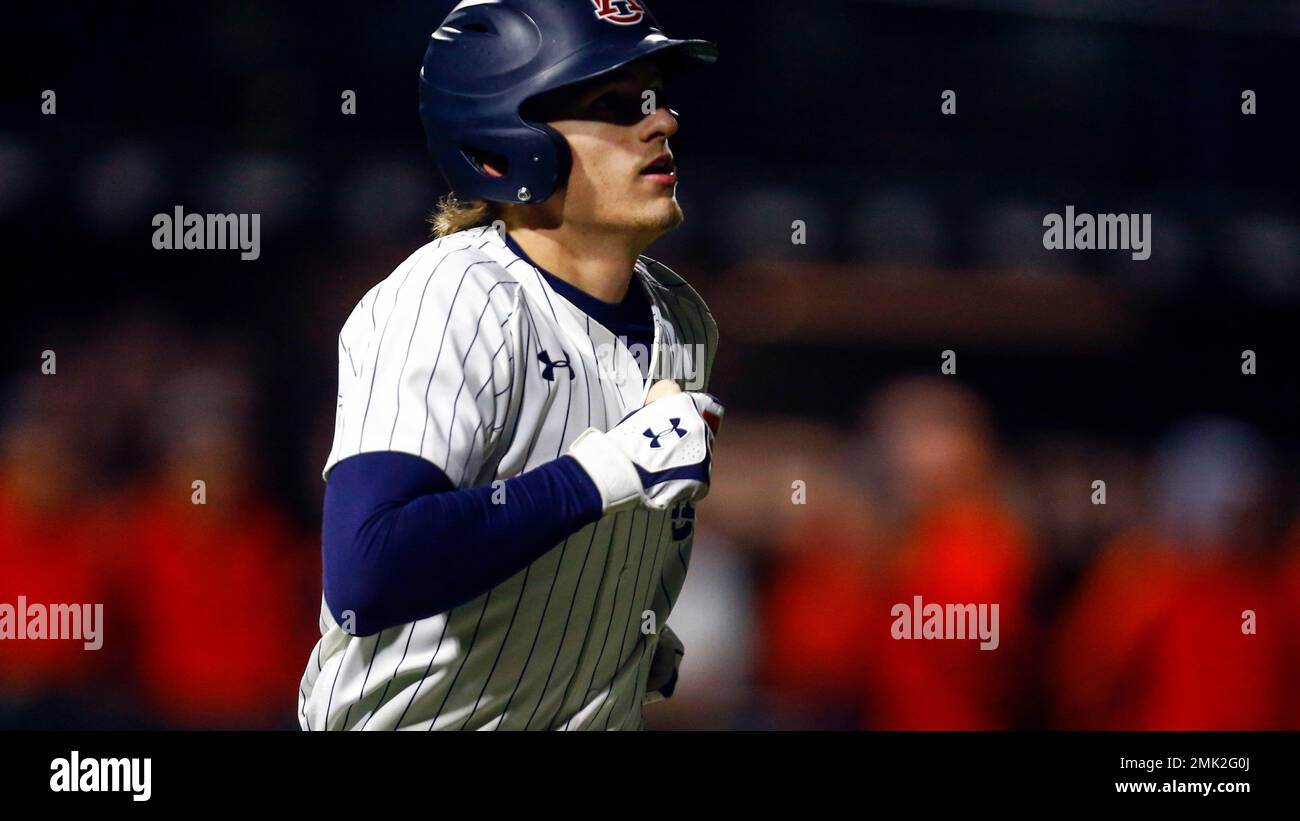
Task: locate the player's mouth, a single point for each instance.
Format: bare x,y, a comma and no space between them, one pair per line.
662,170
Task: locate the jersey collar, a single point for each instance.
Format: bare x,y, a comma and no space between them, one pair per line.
625,318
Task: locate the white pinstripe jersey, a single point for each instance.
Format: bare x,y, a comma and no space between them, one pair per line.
467,357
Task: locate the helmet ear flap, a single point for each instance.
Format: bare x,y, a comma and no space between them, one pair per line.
536,163
562,158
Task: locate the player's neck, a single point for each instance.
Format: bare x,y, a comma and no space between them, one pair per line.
597,264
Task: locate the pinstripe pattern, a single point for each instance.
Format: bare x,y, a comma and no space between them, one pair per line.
441,360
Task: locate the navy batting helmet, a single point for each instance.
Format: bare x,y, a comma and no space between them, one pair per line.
490,57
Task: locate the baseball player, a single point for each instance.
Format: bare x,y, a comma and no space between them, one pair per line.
522,426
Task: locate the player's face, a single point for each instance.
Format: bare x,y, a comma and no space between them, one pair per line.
624,177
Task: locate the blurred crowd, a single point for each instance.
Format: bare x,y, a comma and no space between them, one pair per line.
130,477
1137,589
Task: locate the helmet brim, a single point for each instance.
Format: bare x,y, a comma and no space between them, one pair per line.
602,59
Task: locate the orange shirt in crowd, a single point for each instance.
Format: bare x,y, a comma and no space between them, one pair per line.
822,624
970,551
1154,641
61,557
827,633
226,607
1289,584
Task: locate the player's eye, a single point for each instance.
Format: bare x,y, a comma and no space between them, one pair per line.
603,102
619,105
625,106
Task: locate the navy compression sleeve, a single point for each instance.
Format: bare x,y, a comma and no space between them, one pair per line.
401,544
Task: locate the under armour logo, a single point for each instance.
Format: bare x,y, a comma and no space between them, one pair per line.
548,367
675,428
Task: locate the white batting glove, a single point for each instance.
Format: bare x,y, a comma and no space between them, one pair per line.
656,456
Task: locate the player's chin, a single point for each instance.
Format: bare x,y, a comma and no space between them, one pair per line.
663,214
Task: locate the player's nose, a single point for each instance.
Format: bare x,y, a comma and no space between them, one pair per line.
662,122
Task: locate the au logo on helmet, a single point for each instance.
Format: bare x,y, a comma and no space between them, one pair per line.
621,12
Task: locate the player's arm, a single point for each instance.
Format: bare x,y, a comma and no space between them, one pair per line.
402,544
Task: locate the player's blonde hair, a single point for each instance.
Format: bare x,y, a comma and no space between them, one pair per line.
453,215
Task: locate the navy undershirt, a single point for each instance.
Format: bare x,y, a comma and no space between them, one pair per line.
400,543
632,318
